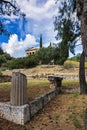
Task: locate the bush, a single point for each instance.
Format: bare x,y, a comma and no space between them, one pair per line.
18,63
30,61
70,64
0,73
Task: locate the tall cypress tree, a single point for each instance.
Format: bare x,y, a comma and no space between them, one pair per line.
41,41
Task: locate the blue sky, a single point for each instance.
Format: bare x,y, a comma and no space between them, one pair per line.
40,15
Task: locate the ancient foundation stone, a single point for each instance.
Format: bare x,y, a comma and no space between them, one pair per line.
16,114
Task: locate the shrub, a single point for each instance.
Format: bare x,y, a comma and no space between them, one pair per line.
70,64
31,61
26,62
0,73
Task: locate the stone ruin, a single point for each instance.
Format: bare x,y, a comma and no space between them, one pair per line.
19,110
18,89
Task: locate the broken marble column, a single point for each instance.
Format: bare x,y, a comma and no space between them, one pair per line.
18,89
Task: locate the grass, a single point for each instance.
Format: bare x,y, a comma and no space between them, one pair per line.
5,86
75,95
71,64
41,83
70,83
35,82
76,122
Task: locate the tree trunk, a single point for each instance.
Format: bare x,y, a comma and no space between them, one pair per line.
81,6
82,79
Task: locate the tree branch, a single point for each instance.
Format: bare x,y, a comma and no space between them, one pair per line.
7,2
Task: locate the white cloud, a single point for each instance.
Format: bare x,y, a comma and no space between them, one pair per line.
35,12
17,48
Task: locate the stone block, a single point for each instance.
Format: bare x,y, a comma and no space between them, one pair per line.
35,106
17,114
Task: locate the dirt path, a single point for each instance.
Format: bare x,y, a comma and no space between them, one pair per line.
65,112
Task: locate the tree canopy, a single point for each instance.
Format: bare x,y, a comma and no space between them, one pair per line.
67,26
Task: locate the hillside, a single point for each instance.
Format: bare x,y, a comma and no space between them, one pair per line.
42,71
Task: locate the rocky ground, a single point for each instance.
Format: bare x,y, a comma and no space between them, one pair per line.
43,71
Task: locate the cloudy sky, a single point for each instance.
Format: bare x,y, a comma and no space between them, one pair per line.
40,15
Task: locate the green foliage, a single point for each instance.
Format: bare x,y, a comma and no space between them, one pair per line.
67,29
26,62
30,61
71,64
45,55
51,54
70,83
75,95
76,122
68,65
4,57
0,73
1,51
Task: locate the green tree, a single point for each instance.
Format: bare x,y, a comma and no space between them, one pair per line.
57,54
41,55
45,55
26,62
1,51
81,7
41,41
4,57
67,29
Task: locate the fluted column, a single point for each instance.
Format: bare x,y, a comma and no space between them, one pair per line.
18,89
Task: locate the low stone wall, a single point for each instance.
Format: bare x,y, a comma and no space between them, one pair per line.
70,90
16,114
86,119
22,114
5,78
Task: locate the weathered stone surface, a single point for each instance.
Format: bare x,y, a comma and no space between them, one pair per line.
17,110
35,106
56,82
18,89
70,90
5,78
23,114
16,114
86,119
